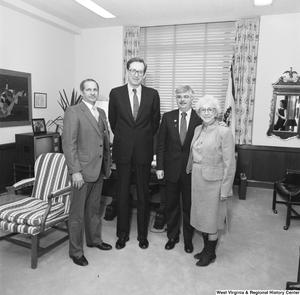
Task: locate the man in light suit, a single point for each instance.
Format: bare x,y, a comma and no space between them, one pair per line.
172,157
85,143
134,115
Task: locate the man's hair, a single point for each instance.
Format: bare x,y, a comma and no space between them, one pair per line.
183,89
137,59
87,80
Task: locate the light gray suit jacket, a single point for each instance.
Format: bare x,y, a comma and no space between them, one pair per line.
86,148
218,154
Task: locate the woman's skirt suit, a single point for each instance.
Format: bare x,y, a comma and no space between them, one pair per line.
212,164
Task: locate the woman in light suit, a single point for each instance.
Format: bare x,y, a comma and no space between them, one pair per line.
212,164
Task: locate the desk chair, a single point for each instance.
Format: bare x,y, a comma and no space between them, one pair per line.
289,190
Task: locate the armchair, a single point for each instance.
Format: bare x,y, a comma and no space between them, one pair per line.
47,207
289,190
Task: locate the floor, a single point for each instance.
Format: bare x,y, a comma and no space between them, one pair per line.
255,253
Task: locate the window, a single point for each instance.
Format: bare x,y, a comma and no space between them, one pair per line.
198,55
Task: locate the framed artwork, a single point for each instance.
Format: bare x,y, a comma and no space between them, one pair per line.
40,100
15,101
38,126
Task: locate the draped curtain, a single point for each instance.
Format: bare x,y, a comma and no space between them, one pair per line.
131,46
244,73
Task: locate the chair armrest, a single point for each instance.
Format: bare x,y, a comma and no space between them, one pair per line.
20,184
59,192
54,194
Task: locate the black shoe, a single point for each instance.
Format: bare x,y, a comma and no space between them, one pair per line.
171,244
143,243
189,248
121,243
79,260
103,246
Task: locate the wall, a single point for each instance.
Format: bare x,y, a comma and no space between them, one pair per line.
48,53
279,45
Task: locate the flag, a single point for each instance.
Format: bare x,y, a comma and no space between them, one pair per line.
229,108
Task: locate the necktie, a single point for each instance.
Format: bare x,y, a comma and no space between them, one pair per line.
95,113
135,104
183,127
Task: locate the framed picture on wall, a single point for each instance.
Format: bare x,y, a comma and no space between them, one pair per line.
38,126
15,102
40,100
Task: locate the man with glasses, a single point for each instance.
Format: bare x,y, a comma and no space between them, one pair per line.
175,136
134,115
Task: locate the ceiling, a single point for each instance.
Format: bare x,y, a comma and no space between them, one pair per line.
68,13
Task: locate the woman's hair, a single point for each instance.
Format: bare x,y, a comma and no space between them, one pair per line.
213,101
283,103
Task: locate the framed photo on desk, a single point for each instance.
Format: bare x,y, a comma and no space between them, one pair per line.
38,126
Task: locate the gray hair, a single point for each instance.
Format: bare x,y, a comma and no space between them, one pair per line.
183,89
208,99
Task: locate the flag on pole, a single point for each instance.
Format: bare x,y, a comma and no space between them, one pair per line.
229,108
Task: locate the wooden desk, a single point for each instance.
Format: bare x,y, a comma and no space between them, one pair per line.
156,187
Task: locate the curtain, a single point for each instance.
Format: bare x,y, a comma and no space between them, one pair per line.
244,71
131,46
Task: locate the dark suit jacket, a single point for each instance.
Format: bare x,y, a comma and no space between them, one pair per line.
171,155
130,135
86,148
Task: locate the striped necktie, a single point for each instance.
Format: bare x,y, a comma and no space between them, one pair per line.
135,104
95,113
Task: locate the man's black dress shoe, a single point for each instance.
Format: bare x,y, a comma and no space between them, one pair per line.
79,260
103,246
171,244
121,243
189,248
143,243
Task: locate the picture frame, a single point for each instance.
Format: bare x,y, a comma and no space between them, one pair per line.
40,100
15,103
38,126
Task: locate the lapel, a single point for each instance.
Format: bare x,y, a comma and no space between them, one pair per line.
126,101
175,123
85,110
144,99
196,135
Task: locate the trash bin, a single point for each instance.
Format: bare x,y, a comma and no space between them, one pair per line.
243,186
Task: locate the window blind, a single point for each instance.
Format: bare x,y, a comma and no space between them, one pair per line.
198,55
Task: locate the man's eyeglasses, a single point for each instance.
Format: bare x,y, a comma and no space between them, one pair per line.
183,96
134,71
208,110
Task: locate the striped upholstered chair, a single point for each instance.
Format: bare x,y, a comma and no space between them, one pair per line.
47,206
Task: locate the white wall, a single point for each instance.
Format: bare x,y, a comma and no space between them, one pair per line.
59,60
279,48
48,53
99,55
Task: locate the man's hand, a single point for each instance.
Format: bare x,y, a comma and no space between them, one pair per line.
160,174
77,180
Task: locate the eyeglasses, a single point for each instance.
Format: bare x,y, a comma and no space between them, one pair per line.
208,110
134,71
183,96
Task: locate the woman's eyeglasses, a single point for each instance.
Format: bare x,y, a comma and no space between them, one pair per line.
208,110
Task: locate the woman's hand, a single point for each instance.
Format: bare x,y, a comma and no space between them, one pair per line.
223,198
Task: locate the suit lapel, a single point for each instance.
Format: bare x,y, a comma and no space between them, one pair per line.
126,101
90,117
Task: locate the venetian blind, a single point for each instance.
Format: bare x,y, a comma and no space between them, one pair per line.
198,55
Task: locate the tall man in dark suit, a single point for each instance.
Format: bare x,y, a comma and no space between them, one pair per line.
134,115
174,140
85,142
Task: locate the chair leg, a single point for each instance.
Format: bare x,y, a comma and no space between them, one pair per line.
288,216
274,202
34,255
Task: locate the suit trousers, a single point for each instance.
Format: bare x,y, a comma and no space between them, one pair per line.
173,208
141,175
85,216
